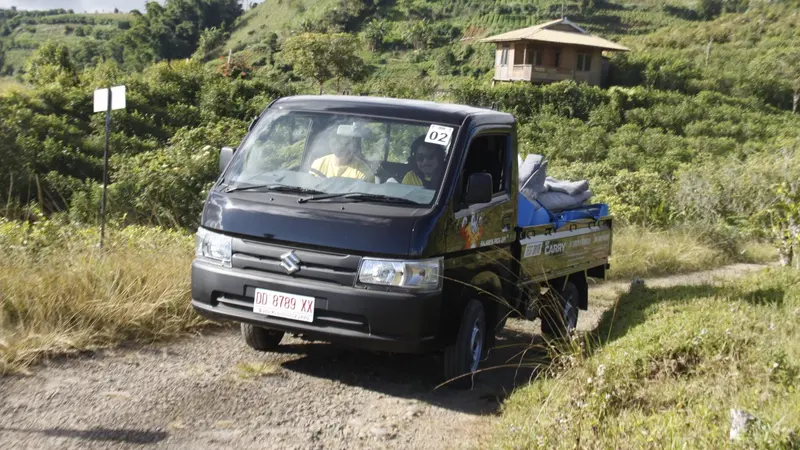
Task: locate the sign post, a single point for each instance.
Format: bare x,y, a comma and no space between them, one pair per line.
107,100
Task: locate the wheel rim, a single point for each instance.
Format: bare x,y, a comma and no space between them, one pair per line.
476,344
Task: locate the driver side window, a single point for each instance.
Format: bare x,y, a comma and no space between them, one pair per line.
488,154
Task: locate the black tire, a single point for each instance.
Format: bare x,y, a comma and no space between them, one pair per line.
559,313
261,339
464,356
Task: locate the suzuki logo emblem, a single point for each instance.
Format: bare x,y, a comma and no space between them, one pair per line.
290,262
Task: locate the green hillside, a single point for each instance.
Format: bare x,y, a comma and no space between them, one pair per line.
473,18
435,43
256,25
21,32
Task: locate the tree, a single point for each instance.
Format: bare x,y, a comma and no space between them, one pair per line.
374,34
423,34
781,215
347,64
173,30
322,57
211,39
51,62
786,214
418,35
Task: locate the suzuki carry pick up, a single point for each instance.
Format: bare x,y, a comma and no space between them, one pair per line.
390,225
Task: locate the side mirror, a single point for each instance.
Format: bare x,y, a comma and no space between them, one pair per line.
225,156
479,189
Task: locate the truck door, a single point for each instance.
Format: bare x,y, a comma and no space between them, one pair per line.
486,224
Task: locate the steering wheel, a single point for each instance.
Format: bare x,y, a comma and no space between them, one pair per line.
317,173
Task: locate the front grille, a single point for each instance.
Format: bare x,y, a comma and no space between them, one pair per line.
321,266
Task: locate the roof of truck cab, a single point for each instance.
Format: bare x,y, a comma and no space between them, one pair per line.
419,110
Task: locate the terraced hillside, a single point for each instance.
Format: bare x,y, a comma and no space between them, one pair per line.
21,32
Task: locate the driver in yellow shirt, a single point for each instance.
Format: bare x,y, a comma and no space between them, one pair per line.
343,162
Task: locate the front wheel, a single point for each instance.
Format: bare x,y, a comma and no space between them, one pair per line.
463,357
560,313
261,339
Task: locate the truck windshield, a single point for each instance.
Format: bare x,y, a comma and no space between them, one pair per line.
312,152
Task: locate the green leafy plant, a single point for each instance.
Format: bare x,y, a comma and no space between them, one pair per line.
322,57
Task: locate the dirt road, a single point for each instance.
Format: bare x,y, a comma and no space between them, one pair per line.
212,391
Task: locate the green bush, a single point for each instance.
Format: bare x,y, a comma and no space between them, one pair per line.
565,98
165,187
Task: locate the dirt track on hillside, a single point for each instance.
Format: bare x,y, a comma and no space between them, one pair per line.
212,391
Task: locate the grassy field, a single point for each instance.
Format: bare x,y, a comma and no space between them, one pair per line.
666,367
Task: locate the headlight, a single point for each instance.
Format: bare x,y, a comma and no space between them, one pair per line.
213,247
423,275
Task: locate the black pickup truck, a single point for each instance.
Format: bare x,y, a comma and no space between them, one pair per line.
322,224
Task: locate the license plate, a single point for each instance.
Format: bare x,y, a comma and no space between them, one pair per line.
285,305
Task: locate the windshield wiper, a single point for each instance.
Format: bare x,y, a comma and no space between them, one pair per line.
275,188
359,196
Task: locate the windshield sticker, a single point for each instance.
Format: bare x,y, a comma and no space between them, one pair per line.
439,135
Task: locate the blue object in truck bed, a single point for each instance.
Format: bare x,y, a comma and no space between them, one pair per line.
594,212
531,213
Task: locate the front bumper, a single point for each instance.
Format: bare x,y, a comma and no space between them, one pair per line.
366,318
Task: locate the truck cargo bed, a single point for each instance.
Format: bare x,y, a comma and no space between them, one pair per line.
547,252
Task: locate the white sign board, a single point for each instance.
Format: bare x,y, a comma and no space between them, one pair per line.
117,98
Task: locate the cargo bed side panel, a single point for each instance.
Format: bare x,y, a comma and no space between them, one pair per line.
548,254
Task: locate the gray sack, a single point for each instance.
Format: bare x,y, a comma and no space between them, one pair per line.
559,201
532,175
566,187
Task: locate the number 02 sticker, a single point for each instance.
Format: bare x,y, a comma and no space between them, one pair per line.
438,134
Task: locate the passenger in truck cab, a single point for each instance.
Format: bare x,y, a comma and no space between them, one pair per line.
427,164
345,161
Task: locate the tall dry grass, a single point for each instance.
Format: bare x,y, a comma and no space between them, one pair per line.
640,252
59,293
